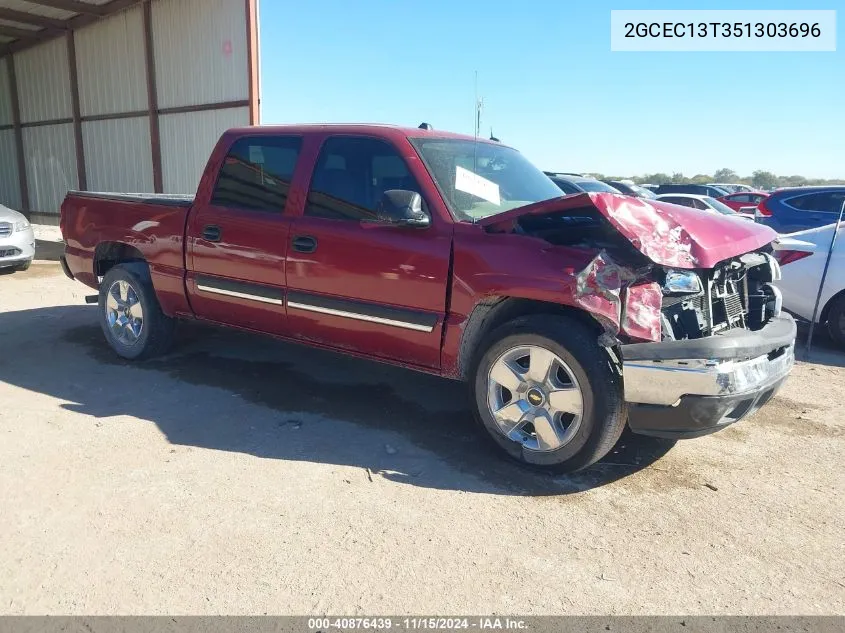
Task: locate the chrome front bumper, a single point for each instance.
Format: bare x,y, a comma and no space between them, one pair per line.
678,389
665,382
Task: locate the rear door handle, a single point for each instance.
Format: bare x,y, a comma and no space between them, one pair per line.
211,233
304,244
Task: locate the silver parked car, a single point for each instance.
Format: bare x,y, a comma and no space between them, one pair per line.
17,241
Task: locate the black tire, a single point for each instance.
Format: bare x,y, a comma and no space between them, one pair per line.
22,267
604,413
156,334
836,320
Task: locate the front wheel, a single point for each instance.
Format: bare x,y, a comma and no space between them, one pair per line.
548,394
130,315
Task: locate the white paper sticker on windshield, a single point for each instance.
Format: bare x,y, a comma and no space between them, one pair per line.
469,182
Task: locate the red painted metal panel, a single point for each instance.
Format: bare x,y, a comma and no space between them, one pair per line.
252,249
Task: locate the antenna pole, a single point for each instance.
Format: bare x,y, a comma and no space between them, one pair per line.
477,124
475,104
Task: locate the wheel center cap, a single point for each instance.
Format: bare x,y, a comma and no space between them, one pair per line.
535,397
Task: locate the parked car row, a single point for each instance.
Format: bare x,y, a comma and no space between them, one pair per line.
703,197
785,210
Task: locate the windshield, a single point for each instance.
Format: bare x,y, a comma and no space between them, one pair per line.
596,185
481,179
718,206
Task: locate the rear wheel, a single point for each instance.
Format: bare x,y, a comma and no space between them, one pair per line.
548,394
130,315
836,321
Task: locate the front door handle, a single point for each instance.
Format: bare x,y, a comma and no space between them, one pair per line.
304,244
211,233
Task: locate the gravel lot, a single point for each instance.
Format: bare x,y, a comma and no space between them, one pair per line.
241,475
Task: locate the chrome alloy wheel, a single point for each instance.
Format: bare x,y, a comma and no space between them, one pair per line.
534,398
124,313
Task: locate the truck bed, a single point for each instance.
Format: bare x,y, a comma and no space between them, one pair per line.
101,227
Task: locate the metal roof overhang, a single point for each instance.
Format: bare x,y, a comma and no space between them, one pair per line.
26,23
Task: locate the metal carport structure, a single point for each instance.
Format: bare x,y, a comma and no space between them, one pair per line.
119,95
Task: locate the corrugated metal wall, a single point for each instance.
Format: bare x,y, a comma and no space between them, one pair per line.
187,140
50,155
200,54
10,191
44,82
117,155
210,35
5,94
111,65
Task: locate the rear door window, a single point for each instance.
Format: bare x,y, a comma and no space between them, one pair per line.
684,202
821,202
256,173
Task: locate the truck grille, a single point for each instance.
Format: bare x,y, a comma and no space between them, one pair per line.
733,307
691,314
736,295
5,229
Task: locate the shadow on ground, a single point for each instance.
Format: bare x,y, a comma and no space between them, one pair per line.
321,407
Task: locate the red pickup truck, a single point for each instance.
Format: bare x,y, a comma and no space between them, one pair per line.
569,316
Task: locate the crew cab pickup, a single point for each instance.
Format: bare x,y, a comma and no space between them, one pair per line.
568,316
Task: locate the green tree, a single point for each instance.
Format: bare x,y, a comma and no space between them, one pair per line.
792,181
678,177
655,179
725,175
764,179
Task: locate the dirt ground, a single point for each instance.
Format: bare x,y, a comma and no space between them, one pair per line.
241,475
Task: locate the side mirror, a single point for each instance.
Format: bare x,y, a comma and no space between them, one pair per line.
399,207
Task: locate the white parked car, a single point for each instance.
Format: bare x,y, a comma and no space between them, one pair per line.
17,241
705,203
802,256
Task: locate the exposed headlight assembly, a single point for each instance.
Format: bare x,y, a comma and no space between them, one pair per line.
21,225
682,282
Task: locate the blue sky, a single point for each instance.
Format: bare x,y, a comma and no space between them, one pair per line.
551,86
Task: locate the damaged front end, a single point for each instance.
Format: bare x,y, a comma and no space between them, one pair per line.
661,272
654,303
686,300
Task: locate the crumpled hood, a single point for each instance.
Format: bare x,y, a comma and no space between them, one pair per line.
668,234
